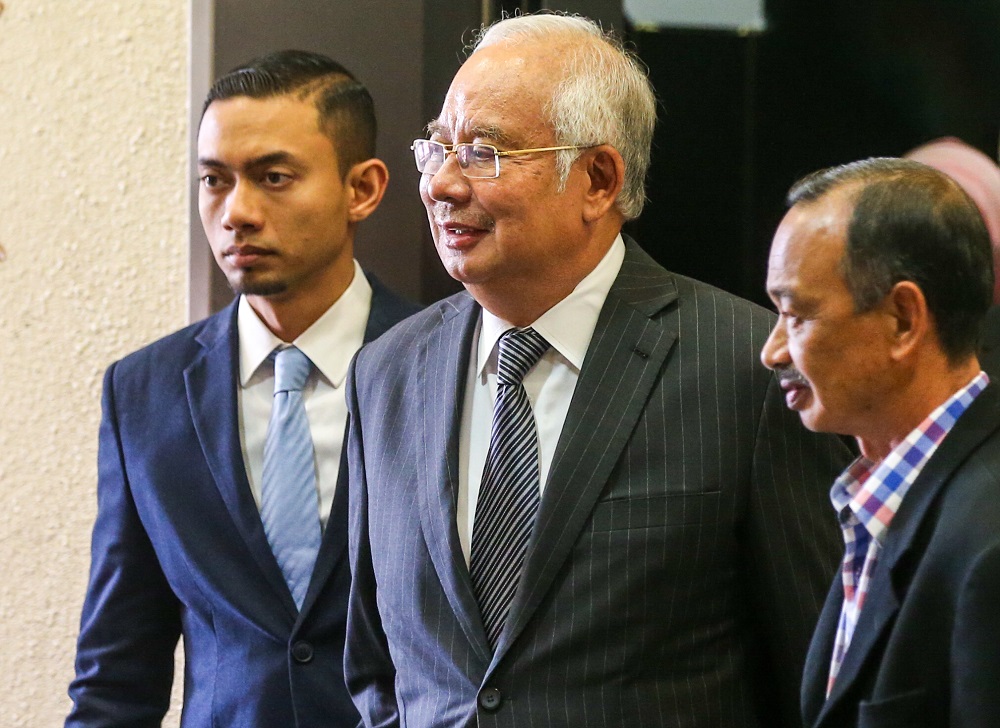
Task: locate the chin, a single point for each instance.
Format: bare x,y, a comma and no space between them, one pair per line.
812,420
251,287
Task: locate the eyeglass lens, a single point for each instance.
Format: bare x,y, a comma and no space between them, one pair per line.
475,160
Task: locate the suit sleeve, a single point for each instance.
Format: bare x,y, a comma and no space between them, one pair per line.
131,619
368,667
792,546
975,697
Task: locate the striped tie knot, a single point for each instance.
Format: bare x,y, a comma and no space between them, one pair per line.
291,369
520,349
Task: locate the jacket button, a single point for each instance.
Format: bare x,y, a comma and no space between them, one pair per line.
302,652
490,699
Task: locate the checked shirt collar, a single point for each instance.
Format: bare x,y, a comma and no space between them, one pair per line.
867,496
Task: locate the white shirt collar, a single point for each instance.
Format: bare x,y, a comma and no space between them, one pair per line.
569,325
329,343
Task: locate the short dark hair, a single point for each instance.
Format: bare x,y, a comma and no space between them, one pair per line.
346,110
912,223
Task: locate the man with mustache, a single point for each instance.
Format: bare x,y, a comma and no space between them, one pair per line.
222,490
881,273
576,497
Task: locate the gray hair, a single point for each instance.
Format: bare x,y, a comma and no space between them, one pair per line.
605,96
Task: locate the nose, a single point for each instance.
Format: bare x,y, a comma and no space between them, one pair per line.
775,351
242,209
448,183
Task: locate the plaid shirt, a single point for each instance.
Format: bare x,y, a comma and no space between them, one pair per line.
867,495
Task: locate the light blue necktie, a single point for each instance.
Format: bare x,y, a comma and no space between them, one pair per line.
289,506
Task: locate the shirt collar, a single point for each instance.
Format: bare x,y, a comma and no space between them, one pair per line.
329,342
869,493
569,325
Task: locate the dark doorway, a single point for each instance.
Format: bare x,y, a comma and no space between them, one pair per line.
744,116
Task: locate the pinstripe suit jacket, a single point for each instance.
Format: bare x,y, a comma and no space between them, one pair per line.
680,555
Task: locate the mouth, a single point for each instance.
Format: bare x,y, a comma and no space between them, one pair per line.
461,230
243,256
459,233
795,387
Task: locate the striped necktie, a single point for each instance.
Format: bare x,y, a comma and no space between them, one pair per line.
509,496
289,508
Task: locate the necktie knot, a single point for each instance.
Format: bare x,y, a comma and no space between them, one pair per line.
291,369
520,349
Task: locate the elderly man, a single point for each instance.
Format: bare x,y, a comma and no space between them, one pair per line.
222,507
576,497
881,274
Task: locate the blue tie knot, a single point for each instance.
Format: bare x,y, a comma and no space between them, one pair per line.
291,369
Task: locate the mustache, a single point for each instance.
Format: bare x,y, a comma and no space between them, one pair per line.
790,376
480,221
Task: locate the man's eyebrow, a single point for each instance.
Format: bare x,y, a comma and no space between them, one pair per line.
779,292
264,160
493,133
490,132
434,127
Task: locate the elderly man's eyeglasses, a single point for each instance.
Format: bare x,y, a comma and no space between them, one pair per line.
478,161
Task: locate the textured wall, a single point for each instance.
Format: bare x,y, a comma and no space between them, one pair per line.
93,218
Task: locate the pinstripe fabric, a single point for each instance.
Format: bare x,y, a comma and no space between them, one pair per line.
288,492
681,551
509,498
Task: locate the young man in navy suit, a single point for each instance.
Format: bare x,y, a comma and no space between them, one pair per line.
185,542
881,273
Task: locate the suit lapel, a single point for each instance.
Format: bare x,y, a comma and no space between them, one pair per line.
904,544
817,668
442,368
877,617
623,363
211,389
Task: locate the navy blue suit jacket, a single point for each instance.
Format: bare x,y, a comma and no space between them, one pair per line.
178,548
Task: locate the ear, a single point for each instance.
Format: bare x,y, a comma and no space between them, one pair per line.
911,319
605,172
365,185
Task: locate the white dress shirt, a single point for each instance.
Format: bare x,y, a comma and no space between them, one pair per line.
330,343
568,327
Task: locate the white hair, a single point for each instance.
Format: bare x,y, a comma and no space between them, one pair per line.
604,97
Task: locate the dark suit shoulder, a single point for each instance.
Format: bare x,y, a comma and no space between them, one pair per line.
966,467
412,330
989,354
723,304
172,353
718,333
388,308
650,287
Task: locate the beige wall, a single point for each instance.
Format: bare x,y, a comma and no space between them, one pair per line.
93,216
